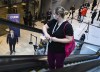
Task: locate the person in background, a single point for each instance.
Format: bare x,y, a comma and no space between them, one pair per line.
87,4
72,11
79,13
58,32
93,16
12,39
82,38
25,18
49,13
98,16
15,10
83,13
30,17
94,4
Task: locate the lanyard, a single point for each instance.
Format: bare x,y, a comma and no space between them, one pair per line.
55,27
53,31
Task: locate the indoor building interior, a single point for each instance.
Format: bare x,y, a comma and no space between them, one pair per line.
27,18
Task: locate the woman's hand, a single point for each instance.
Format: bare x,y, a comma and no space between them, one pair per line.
45,28
54,39
47,36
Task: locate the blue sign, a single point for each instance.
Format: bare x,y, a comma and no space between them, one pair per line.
14,18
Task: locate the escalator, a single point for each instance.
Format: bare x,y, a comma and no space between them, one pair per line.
78,61
34,62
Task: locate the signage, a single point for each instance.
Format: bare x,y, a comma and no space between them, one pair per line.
14,18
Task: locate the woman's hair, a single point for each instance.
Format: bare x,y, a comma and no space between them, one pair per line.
60,11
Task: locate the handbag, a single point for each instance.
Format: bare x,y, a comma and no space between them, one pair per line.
69,47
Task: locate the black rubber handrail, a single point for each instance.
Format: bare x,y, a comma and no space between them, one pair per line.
79,58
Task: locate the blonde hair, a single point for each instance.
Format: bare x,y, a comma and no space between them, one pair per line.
60,11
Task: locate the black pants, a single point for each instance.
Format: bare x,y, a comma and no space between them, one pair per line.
12,47
93,7
26,23
79,17
72,14
30,23
98,17
92,20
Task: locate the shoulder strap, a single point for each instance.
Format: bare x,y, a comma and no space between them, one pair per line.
65,27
